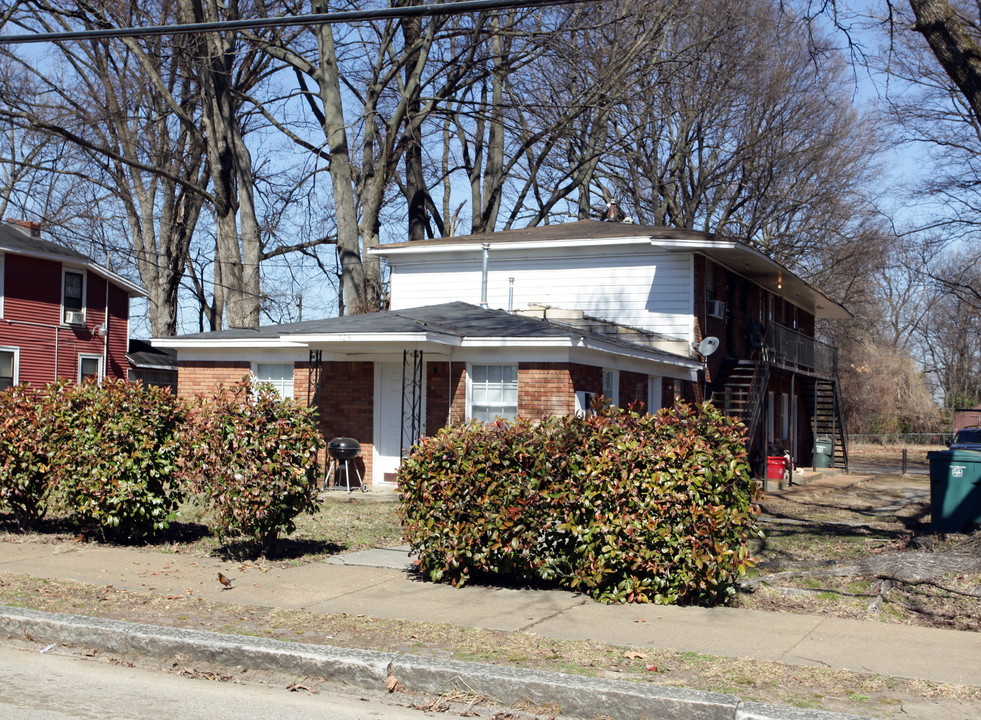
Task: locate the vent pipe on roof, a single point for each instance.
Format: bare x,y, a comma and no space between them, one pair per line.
511,295
483,277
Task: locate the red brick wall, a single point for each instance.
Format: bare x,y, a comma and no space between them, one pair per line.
586,378
633,390
201,377
347,401
545,389
438,394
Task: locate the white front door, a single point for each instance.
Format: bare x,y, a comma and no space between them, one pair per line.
388,422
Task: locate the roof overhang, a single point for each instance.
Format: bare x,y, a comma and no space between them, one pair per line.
738,257
366,344
130,287
765,272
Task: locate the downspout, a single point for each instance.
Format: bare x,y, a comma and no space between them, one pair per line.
449,387
105,338
483,277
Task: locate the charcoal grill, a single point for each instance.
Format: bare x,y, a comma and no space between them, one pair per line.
343,452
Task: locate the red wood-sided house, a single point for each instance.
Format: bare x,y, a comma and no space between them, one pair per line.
62,315
537,321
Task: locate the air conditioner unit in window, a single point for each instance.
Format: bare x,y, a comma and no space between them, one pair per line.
74,317
716,308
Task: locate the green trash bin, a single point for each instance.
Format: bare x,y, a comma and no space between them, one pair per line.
824,451
955,489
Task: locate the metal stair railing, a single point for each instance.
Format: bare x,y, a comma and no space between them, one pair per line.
757,393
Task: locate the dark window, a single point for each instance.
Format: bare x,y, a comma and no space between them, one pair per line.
73,295
6,369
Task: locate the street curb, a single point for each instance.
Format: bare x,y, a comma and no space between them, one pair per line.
570,695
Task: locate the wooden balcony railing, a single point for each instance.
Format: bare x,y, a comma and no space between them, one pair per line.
796,351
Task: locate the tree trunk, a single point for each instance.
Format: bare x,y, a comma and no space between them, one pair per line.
956,51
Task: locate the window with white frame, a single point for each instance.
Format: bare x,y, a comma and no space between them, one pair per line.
611,386
492,392
279,375
73,297
90,368
654,401
1,283
9,357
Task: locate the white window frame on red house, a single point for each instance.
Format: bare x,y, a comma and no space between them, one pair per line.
15,365
65,271
100,374
2,274
479,393
283,382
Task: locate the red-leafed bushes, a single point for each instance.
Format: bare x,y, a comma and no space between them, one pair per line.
253,461
113,462
622,506
119,458
25,453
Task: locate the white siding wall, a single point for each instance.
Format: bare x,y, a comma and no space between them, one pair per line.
637,287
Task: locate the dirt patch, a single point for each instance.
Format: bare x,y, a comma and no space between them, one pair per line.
343,524
865,552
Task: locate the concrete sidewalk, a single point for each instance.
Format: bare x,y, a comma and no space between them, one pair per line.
378,584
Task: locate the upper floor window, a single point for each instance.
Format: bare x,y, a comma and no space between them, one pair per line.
279,375
8,367
492,391
1,284
72,298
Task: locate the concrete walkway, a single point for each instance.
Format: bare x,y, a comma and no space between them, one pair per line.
378,583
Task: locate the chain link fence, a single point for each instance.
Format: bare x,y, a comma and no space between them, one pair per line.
893,439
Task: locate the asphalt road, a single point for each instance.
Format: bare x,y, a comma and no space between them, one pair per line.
59,686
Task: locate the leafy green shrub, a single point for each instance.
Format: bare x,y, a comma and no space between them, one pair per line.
253,461
622,506
25,452
115,458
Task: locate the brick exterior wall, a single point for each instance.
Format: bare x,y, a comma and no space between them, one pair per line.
587,378
545,389
201,377
347,403
438,394
633,390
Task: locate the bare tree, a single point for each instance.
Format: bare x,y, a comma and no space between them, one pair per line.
752,136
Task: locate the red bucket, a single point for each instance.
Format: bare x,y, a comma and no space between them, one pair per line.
776,466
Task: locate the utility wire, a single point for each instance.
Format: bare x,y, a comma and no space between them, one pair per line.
453,8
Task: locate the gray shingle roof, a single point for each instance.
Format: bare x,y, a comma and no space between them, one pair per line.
456,318
17,239
580,230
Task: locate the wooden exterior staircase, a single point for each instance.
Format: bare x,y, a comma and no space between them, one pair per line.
824,408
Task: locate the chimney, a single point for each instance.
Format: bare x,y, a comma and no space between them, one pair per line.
33,228
611,210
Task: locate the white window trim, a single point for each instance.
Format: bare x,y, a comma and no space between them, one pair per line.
16,352
85,278
615,386
91,356
2,274
470,366
654,393
254,373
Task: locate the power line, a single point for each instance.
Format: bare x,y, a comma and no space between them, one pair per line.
391,13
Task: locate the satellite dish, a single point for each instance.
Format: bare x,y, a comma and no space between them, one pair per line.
707,346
